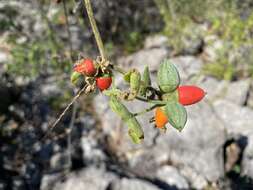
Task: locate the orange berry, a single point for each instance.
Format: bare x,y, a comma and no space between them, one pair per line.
160,118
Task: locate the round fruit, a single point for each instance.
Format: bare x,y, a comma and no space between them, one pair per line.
104,83
86,67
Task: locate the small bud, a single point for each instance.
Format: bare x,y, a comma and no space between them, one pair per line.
75,78
146,81
135,82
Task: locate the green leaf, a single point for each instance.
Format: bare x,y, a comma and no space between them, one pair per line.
134,128
119,108
177,115
168,76
135,131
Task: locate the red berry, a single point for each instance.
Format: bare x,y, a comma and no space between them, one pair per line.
86,67
104,83
190,94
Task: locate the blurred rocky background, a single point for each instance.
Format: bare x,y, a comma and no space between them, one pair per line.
209,41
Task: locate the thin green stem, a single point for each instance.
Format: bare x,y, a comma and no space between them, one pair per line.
118,69
158,102
95,29
146,110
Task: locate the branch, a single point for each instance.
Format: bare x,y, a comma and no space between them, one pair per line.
146,110
95,29
64,112
158,102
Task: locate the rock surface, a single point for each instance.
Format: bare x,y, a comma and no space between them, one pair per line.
91,178
133,184
171,176
202,153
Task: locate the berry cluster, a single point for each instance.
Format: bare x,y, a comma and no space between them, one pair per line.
91,69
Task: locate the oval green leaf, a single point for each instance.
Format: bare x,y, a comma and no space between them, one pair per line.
168,77
177,115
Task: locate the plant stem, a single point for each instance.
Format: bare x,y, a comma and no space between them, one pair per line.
79,93
95,29
158,102
118,69
146,110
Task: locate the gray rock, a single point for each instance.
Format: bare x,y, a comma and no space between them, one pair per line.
90,178
144,161
92,153
2,185
59,161
214,88
247,162
188,66
250,97
199,145
48,181
237,92
238,122
197,181
171,176
133,184
236,119
156,41
150,57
